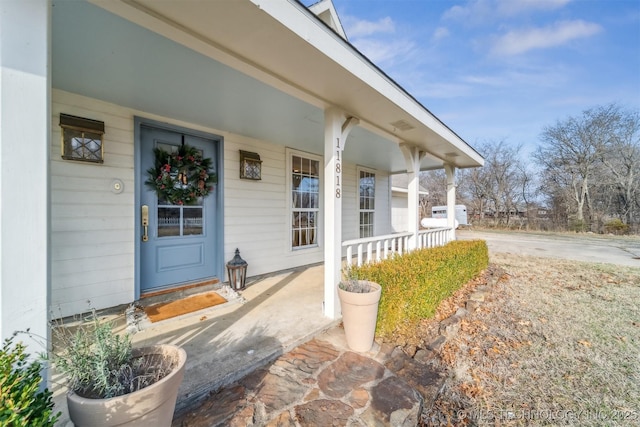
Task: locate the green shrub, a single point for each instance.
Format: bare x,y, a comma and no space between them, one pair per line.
616,226
414,284
21,401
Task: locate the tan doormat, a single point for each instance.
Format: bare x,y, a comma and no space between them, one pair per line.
186,305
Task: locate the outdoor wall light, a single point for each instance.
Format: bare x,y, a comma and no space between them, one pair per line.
250,165
82,139
237,271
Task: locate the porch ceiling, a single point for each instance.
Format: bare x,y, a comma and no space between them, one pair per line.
244,71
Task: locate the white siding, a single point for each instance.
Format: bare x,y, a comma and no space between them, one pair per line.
91,227
399,212
350,203
93,238
383,203
257,217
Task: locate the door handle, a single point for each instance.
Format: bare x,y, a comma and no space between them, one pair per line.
145,222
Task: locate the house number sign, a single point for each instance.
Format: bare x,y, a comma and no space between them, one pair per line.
338,169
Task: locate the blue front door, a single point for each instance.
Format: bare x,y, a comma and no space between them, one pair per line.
180,241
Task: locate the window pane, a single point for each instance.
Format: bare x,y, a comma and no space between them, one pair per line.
168,221
296,164
192,220
310,235
296,199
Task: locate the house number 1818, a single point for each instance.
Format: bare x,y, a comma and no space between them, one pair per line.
338,169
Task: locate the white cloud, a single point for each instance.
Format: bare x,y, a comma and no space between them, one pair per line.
520,41
474,9
516,7
384,52
442,90
531,77
486,11
361,28
440,33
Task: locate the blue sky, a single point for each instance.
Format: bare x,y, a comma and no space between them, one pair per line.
503,69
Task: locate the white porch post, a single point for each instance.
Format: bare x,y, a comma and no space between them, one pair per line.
413,156
336,130
24,167
451,199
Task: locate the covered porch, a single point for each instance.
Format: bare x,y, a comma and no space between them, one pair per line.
267,76
272,315
224,343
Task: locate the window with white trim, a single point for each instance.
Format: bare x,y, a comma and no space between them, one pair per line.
305,200
367,198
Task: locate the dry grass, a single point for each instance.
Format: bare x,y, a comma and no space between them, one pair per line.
557,343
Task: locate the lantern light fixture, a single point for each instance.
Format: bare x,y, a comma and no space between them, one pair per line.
250,165
237,271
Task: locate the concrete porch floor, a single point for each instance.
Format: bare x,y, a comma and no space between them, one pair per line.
227,342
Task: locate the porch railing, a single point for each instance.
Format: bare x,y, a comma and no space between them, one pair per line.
377,248
433,237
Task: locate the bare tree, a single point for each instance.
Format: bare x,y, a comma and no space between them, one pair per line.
621,159
590,165
435,183
497,189
571,150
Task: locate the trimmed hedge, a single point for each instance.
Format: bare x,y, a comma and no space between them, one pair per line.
414,284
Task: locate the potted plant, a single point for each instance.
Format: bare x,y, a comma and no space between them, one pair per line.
110,383
359,302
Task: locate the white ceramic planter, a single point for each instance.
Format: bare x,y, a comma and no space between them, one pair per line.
151,406
359,316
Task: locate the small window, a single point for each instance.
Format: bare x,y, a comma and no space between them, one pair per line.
81,139
367,198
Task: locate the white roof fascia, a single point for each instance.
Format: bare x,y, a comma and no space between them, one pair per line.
327,7
342,52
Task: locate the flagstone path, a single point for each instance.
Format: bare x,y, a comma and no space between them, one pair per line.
322,383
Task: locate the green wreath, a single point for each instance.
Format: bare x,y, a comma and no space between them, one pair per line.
182,177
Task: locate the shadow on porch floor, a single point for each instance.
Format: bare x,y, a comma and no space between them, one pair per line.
226,342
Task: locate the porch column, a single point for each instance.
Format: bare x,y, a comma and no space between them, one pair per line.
336,130
24,168
451,199
413,156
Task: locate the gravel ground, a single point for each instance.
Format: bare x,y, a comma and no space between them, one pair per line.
556,343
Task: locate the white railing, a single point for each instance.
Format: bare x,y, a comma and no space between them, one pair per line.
377,248
433,237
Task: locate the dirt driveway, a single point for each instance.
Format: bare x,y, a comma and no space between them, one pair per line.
620,250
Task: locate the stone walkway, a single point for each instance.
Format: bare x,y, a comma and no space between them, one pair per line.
322,383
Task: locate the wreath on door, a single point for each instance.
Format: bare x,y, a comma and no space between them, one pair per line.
181,177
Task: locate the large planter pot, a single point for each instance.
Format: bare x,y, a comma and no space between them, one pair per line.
359,315
150,406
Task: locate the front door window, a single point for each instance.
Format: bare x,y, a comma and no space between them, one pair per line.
179,220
